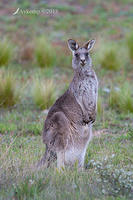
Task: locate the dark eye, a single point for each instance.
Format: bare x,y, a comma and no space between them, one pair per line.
77,55
86,54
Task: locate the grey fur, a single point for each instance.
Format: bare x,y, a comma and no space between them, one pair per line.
68,126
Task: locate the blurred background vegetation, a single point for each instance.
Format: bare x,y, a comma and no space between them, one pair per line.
35,64
34,49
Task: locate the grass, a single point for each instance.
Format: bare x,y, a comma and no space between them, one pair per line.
64,61
109,59
107,172
9,94
100,108
6,128
109,162
64,8
44,53
121,98
7,50
27,53
44,93
22,120
130,45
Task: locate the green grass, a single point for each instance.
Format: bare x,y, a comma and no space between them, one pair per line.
44,94
100,108
110,58
22,120
109,162
9,94
6,127
104,161
130,45
64,8
44,53
7,51
121,98
64,61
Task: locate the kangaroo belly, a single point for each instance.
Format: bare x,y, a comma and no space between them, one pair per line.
76,152
73,154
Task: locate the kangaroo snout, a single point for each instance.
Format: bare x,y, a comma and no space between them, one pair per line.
82,62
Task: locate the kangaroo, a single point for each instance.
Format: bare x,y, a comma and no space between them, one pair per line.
68,126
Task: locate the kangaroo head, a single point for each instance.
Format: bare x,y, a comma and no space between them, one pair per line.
81,57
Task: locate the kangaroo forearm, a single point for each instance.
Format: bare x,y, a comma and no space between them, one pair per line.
89,115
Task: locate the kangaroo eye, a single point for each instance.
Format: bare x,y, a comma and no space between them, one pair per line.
77,55
86,54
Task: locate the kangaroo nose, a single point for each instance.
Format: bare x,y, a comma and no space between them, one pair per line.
82,62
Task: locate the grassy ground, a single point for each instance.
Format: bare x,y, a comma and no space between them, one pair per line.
108,172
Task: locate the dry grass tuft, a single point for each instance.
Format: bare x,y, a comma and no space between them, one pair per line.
110,59
44,93
6,49
121,98
100,108
44,53
9,95
130,45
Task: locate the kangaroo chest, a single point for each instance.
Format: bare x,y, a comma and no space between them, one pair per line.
86,89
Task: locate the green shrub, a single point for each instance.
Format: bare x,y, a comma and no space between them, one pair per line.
6,49
44,53
121,98
44,93
9,94
109,58
130,45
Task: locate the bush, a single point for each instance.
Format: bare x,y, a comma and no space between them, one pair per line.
130,45
44,53
109,58
9,94
44,93
6,49
121,98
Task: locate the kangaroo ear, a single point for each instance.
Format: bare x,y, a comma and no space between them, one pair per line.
89,45
72,44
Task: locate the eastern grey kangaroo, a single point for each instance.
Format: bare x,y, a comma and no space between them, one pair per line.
68,126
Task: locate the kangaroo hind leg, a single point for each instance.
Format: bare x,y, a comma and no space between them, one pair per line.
48,157
60,160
